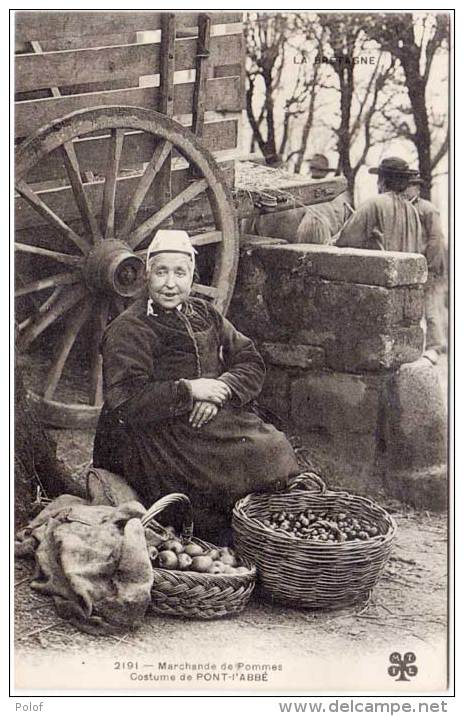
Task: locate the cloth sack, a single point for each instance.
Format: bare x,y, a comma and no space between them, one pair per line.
93,560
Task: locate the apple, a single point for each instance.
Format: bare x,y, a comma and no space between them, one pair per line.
214,554
228,557
173,545
184,560
193,550
201,563
167,559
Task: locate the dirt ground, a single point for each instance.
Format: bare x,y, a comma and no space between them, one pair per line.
407,611
410,599
408,607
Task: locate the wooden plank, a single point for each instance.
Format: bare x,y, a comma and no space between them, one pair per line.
137,150
298,193
166,94
167,64
44,25
76,43
222,94
61,200
76,89
103,64
201,70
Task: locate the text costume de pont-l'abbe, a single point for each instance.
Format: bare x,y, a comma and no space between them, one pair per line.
144,433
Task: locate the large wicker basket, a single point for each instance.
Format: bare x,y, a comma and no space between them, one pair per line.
194,594
309,574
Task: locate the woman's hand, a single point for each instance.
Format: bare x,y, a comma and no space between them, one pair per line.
203,411
210,389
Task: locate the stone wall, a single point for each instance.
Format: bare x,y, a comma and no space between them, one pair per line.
340,331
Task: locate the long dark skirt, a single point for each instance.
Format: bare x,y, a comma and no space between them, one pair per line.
233,455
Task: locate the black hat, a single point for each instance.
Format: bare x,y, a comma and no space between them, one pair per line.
393,166
416,179
320,162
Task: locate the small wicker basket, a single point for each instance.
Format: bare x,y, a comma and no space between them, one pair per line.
307,574
194,594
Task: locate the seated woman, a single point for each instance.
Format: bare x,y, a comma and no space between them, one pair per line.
179,381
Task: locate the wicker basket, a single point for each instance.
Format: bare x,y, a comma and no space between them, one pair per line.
307,574
196,594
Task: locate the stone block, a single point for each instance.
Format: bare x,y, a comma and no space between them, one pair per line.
290,301
275,394
375,268
292,356
425,489
248,310
413,307
416,418
355,352
308,336
336,402
346,461
354,308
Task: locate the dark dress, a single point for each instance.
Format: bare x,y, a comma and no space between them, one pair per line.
143,432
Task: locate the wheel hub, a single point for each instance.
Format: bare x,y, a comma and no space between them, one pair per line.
112,267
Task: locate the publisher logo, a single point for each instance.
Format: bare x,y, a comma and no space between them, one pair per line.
402,666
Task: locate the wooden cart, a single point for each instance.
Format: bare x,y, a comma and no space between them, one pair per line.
125,122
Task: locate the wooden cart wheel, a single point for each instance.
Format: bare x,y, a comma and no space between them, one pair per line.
102,266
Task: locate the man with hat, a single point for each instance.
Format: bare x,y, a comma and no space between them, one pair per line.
319,166
388,221
433,248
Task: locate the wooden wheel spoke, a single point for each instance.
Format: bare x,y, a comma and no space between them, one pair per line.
58,279
55,255
160,155
67,297
73,169
58,224
188,194
63,302
73,326
109,194
40,309
96,373
210,291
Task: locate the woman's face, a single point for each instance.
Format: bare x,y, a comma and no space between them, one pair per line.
170,279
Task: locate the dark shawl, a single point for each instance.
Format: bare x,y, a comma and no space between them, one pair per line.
144,433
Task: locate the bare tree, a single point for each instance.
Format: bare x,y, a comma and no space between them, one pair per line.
347,37
279,109
266,36
415,41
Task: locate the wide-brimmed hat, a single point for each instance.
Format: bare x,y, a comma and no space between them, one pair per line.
416,179
393,166
320,162
170,241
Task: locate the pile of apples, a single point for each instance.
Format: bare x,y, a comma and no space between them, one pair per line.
170,553
323,527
